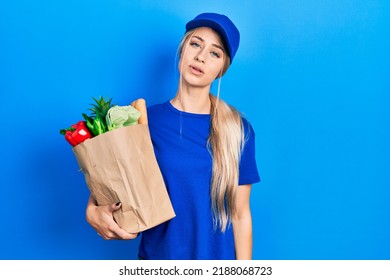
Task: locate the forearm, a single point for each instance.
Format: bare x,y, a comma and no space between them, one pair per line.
242,230
91,201
90,205
90,210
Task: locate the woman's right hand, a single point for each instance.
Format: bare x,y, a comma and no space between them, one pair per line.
102,220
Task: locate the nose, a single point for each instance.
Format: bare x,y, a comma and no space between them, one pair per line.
200,56
199,59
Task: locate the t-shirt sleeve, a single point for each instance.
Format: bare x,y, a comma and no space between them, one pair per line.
248,172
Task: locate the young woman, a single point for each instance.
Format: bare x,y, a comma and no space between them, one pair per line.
206,153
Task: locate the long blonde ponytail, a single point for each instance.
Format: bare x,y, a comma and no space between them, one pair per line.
226,140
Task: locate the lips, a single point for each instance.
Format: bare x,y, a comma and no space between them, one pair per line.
196,70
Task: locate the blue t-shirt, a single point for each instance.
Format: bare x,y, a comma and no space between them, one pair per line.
180,144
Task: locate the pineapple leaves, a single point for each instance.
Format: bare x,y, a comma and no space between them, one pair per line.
96,122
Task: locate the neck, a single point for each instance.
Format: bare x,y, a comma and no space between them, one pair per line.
192,100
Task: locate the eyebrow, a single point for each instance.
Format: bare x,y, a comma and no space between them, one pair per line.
215,45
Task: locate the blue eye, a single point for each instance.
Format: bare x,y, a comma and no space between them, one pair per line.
215,54
194,44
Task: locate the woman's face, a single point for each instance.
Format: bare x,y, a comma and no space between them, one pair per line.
202,57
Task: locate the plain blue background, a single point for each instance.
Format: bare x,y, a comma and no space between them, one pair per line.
311,76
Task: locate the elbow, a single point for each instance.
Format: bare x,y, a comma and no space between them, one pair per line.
242,215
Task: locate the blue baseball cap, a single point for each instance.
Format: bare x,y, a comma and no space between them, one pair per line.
223,25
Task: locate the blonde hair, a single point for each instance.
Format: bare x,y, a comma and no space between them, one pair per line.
226,140
225,143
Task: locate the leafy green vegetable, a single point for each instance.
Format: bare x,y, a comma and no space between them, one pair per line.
120,116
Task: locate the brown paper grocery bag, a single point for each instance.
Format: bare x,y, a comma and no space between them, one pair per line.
120,165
